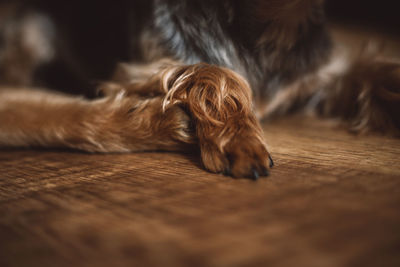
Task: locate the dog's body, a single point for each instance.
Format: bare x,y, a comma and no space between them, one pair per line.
169,100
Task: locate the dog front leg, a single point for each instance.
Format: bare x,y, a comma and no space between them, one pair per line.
200,103
112,124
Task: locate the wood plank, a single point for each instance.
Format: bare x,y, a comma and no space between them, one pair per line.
332,200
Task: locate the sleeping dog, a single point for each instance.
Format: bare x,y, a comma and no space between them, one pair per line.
201,73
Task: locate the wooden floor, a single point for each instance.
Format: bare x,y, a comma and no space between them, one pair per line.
333,199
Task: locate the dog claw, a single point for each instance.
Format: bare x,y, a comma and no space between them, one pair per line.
271,162
255,175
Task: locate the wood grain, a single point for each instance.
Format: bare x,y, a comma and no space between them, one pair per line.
333,199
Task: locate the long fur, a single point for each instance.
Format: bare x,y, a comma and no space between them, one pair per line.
202,74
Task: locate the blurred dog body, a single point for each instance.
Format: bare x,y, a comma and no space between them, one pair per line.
202,73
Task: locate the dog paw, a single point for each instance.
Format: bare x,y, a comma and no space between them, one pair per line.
242,156
219,102
377,104
366,98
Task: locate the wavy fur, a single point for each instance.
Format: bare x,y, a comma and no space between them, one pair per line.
261,58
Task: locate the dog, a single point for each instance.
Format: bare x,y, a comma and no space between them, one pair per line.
202,74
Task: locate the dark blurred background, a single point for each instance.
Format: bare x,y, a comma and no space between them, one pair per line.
104,26
383,15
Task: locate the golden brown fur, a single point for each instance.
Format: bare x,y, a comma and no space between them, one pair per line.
147,115
173,106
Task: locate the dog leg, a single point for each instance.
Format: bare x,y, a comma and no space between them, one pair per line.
363,92
366,97
183,104
112,124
